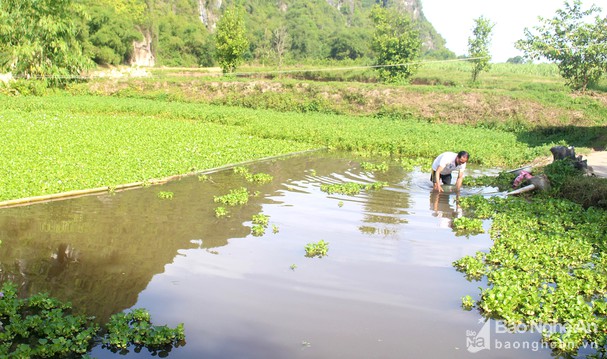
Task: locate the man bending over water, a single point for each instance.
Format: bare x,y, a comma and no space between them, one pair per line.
446,163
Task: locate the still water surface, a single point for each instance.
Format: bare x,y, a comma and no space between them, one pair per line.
387,288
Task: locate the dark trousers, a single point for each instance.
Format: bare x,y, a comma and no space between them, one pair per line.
446,179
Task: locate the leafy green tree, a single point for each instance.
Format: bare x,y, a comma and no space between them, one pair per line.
578,47
518,60
350,44
111,36
39,39
183,43
230,39
396,43
307,38
478,46
133,10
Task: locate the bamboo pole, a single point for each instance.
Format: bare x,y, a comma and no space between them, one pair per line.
528,188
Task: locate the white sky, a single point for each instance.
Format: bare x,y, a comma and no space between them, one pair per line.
454,20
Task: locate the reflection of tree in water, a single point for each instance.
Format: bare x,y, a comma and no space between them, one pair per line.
384,232
100,252
386,208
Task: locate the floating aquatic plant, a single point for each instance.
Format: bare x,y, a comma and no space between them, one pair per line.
374,167
468,226
235,197
260,223
165,195
261,219
351,188
318,249
547,265
253,177
221,212
44,327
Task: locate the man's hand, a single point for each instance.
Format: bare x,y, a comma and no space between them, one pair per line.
458,184
438,187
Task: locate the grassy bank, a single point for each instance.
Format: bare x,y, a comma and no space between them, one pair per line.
529,100
111,131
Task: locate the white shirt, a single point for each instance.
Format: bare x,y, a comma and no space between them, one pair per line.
447,161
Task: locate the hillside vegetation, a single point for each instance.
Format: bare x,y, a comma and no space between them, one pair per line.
181,31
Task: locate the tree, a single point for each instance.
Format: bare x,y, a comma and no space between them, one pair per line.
578,47
478,46
307,39
230,40
518,60
182,42
111,36
39,39
396,43
349,44
280,43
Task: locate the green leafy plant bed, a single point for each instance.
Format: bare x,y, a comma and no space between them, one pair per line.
96,141
547,265
503,181
468,226
318,249
44,327
235,197
351,188
253,177
374,167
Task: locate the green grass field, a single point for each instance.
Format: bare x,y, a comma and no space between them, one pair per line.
109,132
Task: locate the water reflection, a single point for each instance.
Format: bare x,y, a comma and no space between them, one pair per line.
100,252
386,289
445,207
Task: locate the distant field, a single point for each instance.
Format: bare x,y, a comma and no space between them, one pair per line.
510,97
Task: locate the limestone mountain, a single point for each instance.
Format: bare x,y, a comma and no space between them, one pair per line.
179,32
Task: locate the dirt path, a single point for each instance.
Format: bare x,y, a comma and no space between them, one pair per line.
598,161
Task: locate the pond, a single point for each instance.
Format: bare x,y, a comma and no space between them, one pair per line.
386,289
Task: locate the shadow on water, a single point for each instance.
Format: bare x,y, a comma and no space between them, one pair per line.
386,289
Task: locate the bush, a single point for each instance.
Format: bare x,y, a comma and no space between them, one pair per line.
561,171
43,327
586,191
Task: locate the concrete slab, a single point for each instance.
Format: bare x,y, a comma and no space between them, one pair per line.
598,161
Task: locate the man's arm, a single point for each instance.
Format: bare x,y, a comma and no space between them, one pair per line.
437,186
460,179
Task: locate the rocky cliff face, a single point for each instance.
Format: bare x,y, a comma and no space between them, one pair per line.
142,52
413,7
209,11
339,4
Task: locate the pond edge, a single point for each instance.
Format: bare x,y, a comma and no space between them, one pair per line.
123,187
